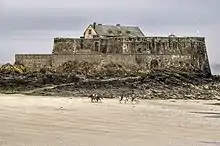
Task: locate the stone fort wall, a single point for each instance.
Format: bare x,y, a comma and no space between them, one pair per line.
145,61
148,52
34,61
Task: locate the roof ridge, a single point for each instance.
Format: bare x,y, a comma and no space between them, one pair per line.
118,26
114,30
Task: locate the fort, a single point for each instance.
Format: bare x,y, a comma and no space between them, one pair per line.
124,45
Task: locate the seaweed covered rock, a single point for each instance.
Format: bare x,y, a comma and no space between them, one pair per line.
12,69
33,80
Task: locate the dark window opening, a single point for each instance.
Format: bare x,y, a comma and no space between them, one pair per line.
90,31
96,46
104,49
180,63
187,64
139,50
154,64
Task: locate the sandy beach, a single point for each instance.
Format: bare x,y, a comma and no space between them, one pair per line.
65,121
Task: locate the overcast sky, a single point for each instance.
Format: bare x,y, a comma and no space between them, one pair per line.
29,26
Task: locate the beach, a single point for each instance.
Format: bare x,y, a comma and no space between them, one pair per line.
73,121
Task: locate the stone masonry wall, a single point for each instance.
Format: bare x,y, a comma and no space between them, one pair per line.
93,58
175,47
144,45
86,46
148,52
34,61
145,61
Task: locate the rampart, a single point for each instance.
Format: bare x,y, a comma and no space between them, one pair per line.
145,61
34,61
148,52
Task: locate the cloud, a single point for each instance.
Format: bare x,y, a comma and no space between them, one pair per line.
106,4
83,4
73,15
29,26
68,19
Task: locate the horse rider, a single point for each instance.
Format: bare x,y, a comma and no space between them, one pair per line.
122,96
133,97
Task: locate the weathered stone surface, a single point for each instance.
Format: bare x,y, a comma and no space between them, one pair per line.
178,66
34,61
147,52
15,83
156,85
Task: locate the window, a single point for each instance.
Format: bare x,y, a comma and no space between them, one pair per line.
109,31
128,32
139,50
90,31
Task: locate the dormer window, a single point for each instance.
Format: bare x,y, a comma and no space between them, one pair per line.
119,32
128,32
172,35
109,31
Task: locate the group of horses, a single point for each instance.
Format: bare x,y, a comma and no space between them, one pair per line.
95,97
122,98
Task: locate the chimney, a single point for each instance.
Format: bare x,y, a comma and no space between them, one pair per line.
117,24
94,24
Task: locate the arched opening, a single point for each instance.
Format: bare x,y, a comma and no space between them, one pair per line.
139,50
96,46
180,64
154,64
187,64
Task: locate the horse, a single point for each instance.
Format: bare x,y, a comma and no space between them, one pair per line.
95,97
134,98
122,97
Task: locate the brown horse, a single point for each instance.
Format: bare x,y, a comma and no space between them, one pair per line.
122,97
132,98
95,97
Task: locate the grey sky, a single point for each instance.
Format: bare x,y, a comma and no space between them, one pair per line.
28,26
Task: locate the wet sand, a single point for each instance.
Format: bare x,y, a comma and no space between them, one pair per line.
62,121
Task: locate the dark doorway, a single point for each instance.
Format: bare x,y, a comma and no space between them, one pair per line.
154,64
96,46
103,49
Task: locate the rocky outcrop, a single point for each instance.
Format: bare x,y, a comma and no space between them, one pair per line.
156,85
110,80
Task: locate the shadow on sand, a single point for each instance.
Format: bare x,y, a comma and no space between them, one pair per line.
211,143
208,114
216,104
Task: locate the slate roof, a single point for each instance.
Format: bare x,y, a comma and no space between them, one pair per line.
111,30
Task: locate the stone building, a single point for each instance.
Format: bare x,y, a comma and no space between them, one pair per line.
107,31
125,45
